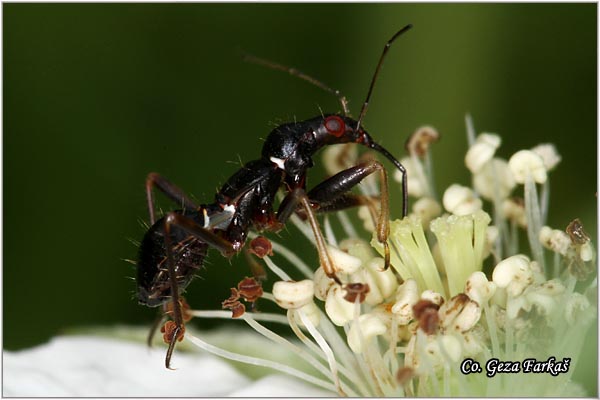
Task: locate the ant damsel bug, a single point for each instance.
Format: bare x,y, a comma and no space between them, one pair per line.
174,247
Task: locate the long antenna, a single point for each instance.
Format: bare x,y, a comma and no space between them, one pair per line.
298,74
387,46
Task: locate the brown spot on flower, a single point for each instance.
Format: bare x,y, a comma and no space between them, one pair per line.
576,232
235,296
518,201
233,304
168,329
356,291
418,143
261,246
457,303
404,375
250,289
421,305
426,313
468,286
429,321
237,310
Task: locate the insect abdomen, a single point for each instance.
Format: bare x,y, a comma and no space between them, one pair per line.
153,285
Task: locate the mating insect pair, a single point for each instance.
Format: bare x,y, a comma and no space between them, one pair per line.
174,247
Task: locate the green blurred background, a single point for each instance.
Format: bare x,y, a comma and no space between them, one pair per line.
98,95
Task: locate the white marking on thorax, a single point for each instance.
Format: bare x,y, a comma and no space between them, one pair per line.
206,219
219,220
279,162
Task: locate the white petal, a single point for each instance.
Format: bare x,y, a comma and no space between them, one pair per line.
87,366
280,386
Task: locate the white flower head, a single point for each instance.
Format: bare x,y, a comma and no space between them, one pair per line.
478,288
482,151
338,309
461,200
406,297
363,330
404,331
426,209
494,179
549,155
526,163
416,186
292,294
513,274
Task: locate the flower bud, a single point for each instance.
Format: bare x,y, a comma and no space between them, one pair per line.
370,326
311,311
555,240
358,248
338,157
513,273
474,341
291,295
437,348
576,306
382,283
406,297
586,252
343,261
461,200
432,296
478,288
322,284
481,151
495,177
459,313
426,209
513,209
365,216
549,155
337,308
416,188
545,296
526,162
491,235
418,143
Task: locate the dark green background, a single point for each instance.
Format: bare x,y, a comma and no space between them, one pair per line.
97,96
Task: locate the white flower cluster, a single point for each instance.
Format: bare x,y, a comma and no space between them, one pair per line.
459,287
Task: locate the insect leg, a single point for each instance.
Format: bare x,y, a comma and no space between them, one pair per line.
338,185
198,231
208,237
346,201
171,190
289,204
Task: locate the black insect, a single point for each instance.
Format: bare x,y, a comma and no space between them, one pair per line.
174,247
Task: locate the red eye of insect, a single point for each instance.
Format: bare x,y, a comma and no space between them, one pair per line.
335,125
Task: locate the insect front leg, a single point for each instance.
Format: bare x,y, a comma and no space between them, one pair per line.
333,194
